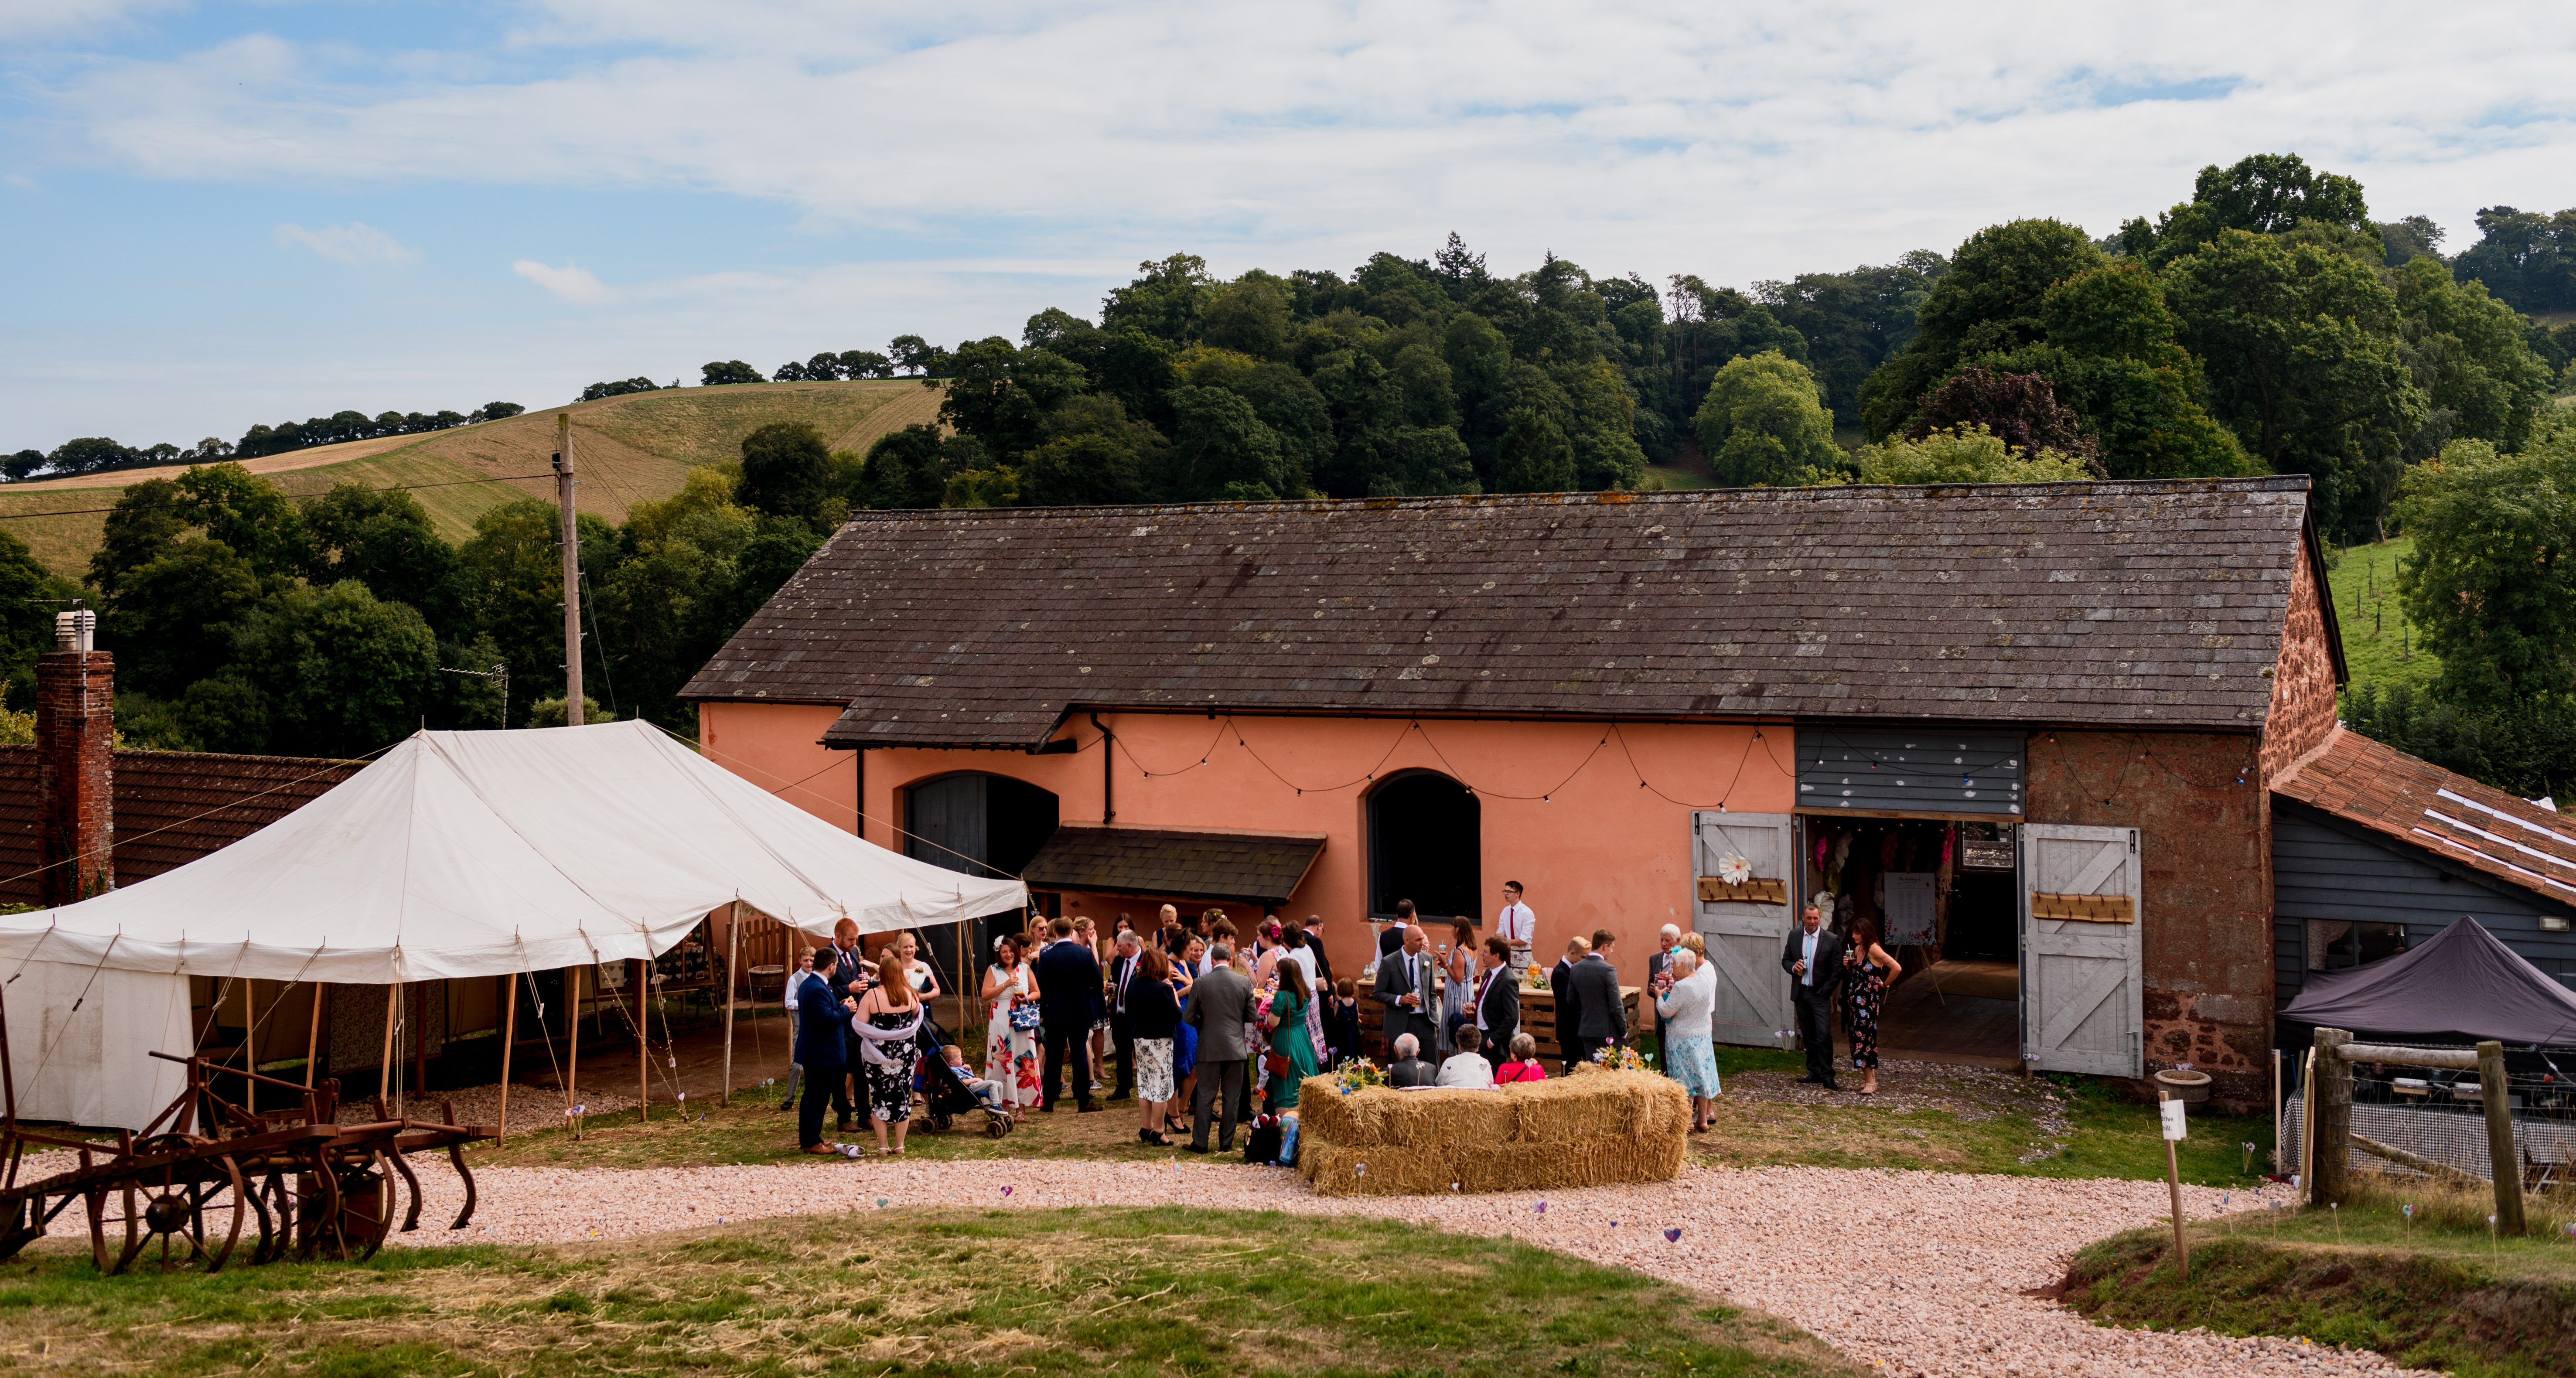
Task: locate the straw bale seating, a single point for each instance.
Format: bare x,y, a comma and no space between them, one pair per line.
1585,1130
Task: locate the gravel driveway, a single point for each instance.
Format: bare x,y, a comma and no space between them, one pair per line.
1921,1272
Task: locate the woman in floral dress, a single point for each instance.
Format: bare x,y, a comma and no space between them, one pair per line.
1871,970
1010,1055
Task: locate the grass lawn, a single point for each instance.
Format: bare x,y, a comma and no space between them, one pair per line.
2053,1126
754,1130
1100,1291
2379,645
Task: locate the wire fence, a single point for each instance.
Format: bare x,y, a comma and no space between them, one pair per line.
2440,1114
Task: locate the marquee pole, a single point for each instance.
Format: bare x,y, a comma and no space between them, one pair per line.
572,1064
385,1071
250,1045
643,1044
313,1038
733,952
509,1039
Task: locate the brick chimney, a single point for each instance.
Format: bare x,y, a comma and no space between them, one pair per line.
75,766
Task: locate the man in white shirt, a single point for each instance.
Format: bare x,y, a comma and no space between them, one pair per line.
1467,1067
1516,924
795,1069
1813,957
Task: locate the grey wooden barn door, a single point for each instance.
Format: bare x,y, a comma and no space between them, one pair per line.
1744,926
2082,989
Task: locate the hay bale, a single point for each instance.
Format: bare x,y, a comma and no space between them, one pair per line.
1596,1128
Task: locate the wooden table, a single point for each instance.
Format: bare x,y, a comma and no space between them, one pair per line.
1538,1016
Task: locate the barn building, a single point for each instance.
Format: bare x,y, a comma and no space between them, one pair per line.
2032,732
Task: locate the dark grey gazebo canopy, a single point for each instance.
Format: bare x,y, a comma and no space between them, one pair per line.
2461,983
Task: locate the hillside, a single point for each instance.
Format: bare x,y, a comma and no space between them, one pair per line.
627,449
2380,646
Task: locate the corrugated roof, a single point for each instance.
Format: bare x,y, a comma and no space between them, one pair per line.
2130,603
1260,868
2429,808
172,807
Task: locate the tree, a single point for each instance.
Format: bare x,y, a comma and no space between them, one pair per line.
1534,456
336,671
2469,357
1081,470
998,393
1991,301
908,468
2303,365
2020,409
489,411
385,540
865,363
787,472
1220,449
1764,422
601,391
89,455
1250,315
918,357
1165,301
2526,258
172,620
514,584
2493,579
2268,193
727,372
2402,241
22,464
1964,454
30,595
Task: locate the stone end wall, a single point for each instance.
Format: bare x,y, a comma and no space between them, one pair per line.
2302,715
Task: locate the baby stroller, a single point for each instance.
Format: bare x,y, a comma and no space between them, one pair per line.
947,1098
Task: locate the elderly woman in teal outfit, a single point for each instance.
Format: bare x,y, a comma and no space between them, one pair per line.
1288,1036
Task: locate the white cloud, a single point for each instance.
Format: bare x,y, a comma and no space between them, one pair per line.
19,18
355,242
570,282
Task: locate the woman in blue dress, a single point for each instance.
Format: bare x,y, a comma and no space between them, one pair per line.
1686,1005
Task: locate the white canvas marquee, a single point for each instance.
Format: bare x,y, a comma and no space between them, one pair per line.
465,854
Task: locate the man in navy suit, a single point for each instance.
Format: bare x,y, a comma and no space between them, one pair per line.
819,1024
1068,992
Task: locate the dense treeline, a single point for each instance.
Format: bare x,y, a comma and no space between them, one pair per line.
97,454
2265,324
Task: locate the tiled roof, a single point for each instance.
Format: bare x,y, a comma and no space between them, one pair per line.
2115,603
2420,804
1259,868
172,807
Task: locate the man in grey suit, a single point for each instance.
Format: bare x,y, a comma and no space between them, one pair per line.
1404,987
1604,1020
1220,1005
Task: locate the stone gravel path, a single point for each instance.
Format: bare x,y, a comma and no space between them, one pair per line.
1913,1272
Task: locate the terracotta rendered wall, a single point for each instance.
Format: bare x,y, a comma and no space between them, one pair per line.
2302,714
776,746
2198,803
1598,851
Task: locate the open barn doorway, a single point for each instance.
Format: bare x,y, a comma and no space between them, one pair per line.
984,825
1942,896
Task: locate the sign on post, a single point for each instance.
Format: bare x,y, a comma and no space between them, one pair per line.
2172,1110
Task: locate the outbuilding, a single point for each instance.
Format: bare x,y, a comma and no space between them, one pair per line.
2028,731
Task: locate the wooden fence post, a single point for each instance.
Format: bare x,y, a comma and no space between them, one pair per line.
2330,1087
2498,1095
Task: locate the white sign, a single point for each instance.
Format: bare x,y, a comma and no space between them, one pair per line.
2173,1118
1909,908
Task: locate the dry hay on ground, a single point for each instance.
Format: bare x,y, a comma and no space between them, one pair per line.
1587,1130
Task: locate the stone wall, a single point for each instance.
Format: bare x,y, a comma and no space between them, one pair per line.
2302,714
2197,801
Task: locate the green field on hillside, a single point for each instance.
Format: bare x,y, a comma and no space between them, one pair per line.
2380,646
627,450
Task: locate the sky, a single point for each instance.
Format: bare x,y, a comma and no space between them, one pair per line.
220,214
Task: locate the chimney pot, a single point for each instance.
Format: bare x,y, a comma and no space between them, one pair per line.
76,630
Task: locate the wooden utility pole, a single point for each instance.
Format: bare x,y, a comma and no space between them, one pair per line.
571,568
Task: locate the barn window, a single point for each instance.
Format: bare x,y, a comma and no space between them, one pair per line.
1426,845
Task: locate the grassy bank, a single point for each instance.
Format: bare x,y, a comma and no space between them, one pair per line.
2380,645
1966,1120
2434,1302
1118,1291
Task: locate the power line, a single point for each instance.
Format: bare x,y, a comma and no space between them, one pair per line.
297,497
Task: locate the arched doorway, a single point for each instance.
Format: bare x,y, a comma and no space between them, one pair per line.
1426,844
984,825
